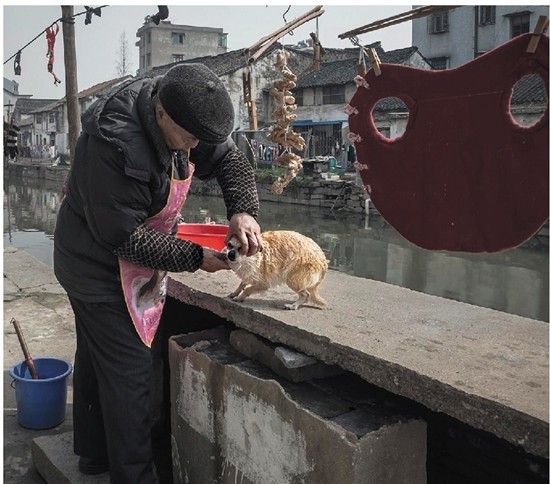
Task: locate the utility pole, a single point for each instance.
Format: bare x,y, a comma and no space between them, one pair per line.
71,83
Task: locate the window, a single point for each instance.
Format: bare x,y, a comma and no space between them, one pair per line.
439,63
38,119
438,23
52,118
519,24
298,97
222,41
148,37
178,38
177,57
487,15
148,61
384,131
333,94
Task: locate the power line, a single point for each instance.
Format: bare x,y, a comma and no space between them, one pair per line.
88,12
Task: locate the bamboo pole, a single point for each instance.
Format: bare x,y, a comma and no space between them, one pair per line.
396,19
265,42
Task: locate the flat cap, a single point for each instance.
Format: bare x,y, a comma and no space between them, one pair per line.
196,99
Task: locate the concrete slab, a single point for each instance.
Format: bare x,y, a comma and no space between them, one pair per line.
29,274
54,459
486,368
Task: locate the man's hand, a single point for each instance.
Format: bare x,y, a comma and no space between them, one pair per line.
213,260
247,230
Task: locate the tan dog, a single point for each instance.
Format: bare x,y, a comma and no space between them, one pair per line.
287,258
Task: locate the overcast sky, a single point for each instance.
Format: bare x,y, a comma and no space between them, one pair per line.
97,44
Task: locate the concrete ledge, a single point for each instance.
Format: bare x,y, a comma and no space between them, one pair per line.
486,368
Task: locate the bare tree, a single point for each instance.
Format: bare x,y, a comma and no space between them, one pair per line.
123,63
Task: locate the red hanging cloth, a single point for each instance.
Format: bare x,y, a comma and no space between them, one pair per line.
464,176
50,37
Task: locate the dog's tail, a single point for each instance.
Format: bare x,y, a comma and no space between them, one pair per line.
315,298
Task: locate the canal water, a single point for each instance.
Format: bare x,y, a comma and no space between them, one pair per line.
514,281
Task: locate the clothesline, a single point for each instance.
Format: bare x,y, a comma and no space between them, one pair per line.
60,19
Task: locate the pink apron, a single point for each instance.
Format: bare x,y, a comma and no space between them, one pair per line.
145,289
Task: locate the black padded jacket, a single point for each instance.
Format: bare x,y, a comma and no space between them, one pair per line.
121,176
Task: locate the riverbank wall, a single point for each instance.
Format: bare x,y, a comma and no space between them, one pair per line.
321,189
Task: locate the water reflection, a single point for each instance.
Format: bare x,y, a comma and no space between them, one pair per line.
515,281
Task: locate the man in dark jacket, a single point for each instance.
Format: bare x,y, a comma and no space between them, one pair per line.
114,244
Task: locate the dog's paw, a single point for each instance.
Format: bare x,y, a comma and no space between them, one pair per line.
237,297
292,306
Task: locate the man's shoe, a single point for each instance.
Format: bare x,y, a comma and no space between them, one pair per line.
91,467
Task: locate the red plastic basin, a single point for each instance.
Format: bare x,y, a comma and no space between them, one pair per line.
207,235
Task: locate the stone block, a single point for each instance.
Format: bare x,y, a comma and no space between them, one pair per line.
233,420
262,350
293,359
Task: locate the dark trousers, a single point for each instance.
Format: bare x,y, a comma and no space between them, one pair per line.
112,381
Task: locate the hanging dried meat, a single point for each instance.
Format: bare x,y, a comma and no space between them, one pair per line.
282,133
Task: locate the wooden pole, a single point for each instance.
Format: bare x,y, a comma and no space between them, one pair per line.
28,359
71,83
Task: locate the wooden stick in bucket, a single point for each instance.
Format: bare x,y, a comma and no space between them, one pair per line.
28,359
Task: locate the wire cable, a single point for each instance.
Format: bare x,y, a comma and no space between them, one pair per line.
60,19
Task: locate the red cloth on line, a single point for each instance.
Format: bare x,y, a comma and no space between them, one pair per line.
464,176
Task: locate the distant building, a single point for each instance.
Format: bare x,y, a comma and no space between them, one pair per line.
11,95
49,124
452,38
167,43
321,97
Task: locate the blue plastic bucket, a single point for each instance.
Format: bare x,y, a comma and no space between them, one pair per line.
42,403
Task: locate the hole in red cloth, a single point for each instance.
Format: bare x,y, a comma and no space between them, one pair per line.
529,100
390,116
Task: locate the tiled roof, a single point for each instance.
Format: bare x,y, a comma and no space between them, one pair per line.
343,71
229,62
95,90
26,122
47,107
98,89
529,90
27,105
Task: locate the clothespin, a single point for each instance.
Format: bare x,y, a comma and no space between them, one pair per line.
541,26
374,60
